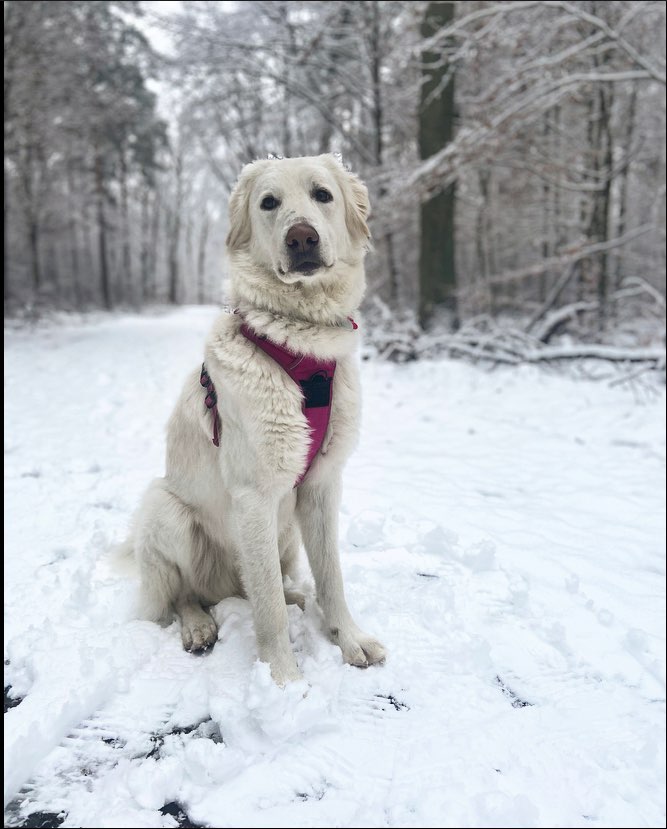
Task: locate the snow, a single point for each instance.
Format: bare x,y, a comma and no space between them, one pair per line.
502,533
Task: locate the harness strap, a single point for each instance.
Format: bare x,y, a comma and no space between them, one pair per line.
312,375
211,402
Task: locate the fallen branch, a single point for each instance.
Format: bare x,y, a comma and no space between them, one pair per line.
505,346
656,356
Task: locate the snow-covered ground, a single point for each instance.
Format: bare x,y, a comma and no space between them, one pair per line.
502,534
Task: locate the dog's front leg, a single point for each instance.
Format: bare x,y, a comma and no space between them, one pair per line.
256,516
317,509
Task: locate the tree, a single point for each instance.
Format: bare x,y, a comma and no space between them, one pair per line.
540,148
437,267
80,131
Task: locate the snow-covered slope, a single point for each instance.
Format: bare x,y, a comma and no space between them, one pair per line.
502,534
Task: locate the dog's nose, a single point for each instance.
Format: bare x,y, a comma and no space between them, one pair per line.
302,237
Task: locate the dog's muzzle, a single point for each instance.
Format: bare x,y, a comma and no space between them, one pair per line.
303,248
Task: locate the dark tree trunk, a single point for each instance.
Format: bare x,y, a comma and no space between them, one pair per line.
603,203
31,218
73,239
33,246
153,247
7,282
437,272
483,288
175,227
100,196
546,218
126,277
621,223
175,232
144,249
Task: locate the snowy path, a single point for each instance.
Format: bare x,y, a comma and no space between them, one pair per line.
502,533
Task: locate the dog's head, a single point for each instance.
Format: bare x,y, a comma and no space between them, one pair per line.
299,219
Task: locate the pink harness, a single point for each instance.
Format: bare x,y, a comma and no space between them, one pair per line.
314,376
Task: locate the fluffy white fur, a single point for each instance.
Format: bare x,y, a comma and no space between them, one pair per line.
228,521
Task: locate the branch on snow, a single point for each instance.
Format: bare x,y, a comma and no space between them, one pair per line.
655,357
481,339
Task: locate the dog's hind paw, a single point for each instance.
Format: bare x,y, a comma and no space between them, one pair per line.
199,631
295,597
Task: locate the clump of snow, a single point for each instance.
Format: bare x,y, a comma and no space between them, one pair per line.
366,530
153,784
282,713
480,556
437,541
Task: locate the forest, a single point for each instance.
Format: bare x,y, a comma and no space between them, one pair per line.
502,520
514,151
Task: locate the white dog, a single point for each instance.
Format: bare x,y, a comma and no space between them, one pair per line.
255,449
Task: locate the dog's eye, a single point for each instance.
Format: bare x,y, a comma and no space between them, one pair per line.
269,203
322,195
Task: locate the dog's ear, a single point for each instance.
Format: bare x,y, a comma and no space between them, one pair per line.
239,212
357,204
357,207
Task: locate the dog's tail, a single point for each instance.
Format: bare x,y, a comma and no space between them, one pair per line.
122,559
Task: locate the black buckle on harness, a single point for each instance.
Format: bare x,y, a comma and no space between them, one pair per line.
316,390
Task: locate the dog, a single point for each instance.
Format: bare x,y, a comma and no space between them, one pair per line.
244,483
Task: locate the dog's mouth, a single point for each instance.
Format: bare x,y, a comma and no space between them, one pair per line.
303,262
305,268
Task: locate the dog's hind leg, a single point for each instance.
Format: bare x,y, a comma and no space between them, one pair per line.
288,545
166,538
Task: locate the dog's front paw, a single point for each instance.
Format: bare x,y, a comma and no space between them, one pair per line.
282,674
359,649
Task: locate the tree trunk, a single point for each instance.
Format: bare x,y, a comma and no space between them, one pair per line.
623,187
546,218
378,127
73,238
7,283
102,232
33,247
144,249
153,248
604,202
175,231
126,278
601,148
31,218
437,272
288,54
201,259
481,241
175,226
